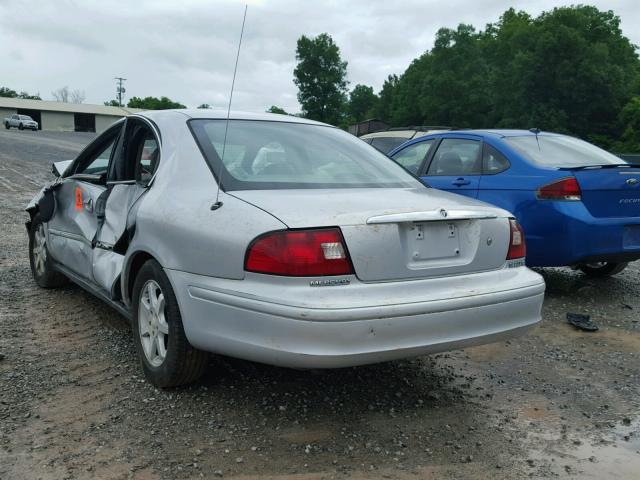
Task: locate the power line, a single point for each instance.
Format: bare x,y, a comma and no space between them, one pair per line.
120,89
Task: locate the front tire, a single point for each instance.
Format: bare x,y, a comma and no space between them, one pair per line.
6,125
602,269
20,127
42,269
167,358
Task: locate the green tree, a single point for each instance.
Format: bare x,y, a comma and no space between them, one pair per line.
204,106
275,109
362,102
320,76
153,103
28,96
568,70
630,122
386,97
8,92
112,103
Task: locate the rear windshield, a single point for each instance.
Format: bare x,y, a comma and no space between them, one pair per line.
386,144
265,155
562,151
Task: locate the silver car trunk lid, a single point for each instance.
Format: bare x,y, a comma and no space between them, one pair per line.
398,234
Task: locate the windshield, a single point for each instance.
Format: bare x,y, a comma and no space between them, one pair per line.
263,155
25,117
562,151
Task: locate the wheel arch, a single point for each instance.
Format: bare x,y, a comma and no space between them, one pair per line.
133,266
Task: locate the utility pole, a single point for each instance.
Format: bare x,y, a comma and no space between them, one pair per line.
120,89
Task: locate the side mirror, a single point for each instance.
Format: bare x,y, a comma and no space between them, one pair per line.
58,168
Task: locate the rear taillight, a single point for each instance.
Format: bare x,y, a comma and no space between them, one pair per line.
517,247
299,253
564,189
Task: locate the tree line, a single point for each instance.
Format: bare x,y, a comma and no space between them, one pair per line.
568,70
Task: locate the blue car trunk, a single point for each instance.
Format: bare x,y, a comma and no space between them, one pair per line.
610,192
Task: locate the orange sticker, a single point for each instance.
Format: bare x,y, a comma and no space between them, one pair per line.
78,198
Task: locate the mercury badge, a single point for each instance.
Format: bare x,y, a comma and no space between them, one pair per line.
443,212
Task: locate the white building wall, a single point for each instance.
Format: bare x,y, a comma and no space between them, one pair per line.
6,112
57,121
104,121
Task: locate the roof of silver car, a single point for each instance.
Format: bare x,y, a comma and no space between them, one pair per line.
234,115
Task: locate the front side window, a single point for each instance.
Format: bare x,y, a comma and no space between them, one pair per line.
456,156
412,156
261,155
96,161
100,162
561,151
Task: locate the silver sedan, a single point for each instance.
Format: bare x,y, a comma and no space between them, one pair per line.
275,239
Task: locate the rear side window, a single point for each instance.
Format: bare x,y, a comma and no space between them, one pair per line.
456,156
561,151
147,159
267,155
411,157
493,161
386,144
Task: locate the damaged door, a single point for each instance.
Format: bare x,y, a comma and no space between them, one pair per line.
74,223
131,173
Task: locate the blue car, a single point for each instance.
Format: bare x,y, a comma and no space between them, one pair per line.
578,204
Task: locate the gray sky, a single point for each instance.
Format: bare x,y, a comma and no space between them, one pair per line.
186,49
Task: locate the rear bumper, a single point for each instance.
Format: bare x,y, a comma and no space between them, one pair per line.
578,237
334,334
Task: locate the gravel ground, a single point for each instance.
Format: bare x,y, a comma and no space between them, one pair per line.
73,404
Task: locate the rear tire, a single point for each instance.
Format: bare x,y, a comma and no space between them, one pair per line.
42,269
602,269
167,357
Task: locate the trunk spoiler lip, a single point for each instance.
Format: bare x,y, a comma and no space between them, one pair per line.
439,215
597,167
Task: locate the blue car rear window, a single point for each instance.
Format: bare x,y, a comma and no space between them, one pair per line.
561,151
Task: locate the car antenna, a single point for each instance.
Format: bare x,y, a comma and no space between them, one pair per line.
218,203
536,131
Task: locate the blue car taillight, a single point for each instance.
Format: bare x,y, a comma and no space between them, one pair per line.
563,189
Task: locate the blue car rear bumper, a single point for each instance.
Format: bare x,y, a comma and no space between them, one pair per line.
565,233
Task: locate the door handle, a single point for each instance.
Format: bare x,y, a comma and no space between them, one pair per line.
88,205
460,181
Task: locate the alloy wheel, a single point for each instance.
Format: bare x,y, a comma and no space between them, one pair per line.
152,323
39,250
